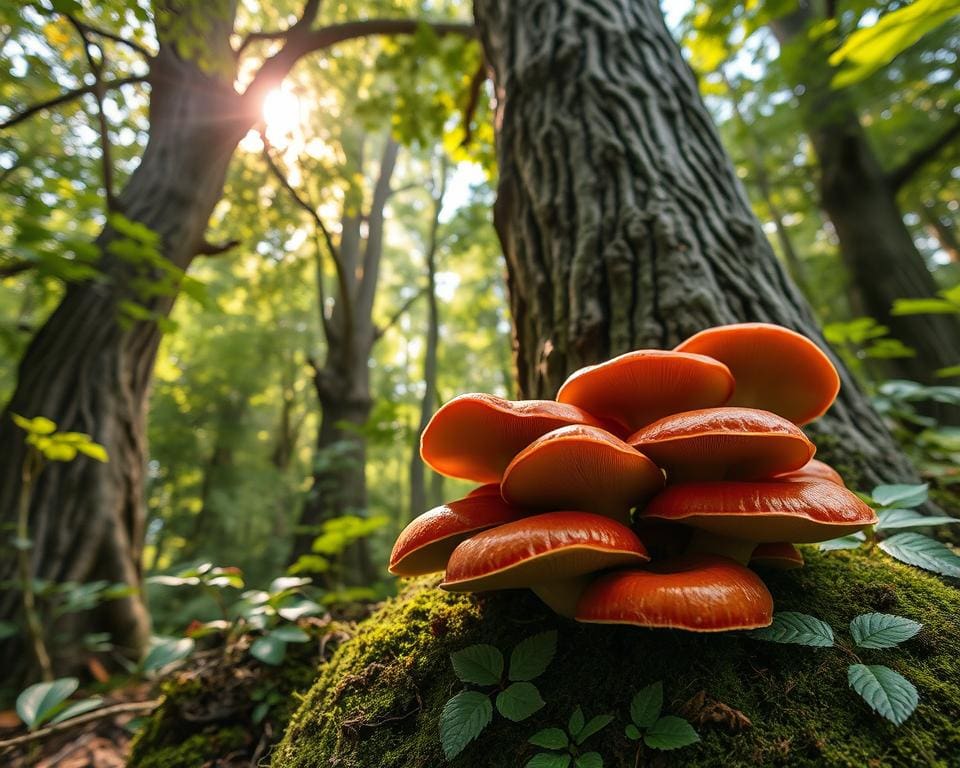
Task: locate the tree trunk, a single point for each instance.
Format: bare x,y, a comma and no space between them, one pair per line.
620,215
860,198
418,490
88,368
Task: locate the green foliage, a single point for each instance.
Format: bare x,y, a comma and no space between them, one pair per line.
47,702
657,732
882,630
888,693
799,628
462,719
42,435
923,552
165,651
579,729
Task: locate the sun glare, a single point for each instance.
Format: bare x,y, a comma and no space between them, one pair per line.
283,116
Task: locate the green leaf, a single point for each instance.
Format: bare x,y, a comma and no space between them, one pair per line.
532,656
38,702
546,760
518,701
852,541
269,649
94,451
646,705
670,733
550,738
300,609
576,723
8,629
166,650
923,552
891,519
632,732
588,760
882,630
478,664
594,724
39,425
77,708
290,634
900,495
462,720
886,692
924,307
797,628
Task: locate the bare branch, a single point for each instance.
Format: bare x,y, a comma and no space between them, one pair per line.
68,96
215,249
107,35
126,707
473,99
906,171
310,11
381,330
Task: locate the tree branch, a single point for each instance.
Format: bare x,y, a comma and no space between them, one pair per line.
15,268
106,34
473,99
215,249
68,96
381,330
906,171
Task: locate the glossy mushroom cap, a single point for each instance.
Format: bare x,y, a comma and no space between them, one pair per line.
699,593
775,369
581,468
778,556
424,546
724,444
640,387
475,436
542,548
814,470
770,511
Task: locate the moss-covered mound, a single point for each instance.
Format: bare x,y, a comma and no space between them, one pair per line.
378,701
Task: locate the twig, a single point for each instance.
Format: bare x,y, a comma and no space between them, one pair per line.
97,714
106,34
68,96
398,314
473,99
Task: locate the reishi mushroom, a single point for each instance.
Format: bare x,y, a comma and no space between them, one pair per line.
581,468
814,470
778,556
775,369
724,444
475,436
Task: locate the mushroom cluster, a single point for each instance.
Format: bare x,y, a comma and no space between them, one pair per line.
643,493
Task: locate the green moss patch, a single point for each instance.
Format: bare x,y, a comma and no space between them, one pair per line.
378,701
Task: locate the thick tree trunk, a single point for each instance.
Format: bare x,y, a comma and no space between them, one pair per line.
620,215
89,367
860,198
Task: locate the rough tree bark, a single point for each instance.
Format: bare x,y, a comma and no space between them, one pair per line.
860,197
343,380
620,215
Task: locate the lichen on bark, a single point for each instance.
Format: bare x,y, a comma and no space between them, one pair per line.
378,701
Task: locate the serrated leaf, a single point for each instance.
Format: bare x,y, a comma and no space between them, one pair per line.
632,732
77,708
670,733
588,760
646,705
796,628
923,552
882,630
594,724
576,723
891,519
885,691
518,701
38,702
852,541
269,649
532,656
550,738
478,664
546,760
462,720
166,650
900,495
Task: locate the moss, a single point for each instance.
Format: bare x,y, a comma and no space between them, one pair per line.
377,702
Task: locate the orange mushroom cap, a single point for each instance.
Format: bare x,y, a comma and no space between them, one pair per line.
640,387
426,543
764,511
775,368
780,556
699,593
542,548
813,470
475,436
724,444
581,468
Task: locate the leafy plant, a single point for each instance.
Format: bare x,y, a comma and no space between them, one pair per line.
579,729
895,505
466,715
656,731
165,651
47,702
886,692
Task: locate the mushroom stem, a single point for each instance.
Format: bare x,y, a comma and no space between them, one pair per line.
561,596
704,542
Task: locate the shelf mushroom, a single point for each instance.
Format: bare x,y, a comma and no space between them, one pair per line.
699,593
475,436
777,556
581,468
554,549
724,444
775,369
639,387
424,546
814,470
